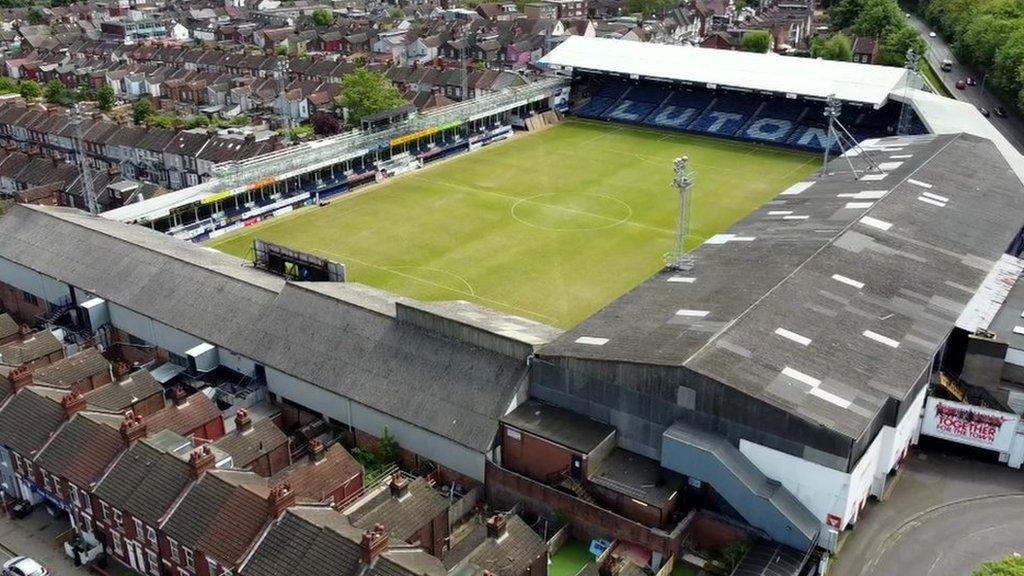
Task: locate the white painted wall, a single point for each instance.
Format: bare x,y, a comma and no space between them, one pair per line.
425,443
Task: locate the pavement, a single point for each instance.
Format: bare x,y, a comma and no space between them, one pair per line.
950,510
35,537
1011,127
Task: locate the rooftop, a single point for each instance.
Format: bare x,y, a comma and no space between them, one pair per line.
402,517
807,77
559,425
67,371
145,482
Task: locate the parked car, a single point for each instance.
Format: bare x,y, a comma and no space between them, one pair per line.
970,81
984,111
23,566
931,34
1000,111
960,85
947,65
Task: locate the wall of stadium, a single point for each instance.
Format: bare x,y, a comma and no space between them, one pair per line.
361,417
39,285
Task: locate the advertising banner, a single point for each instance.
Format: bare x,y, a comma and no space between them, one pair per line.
971,425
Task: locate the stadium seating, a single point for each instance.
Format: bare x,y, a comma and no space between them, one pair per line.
742,115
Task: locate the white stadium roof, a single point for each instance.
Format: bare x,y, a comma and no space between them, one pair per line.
848,81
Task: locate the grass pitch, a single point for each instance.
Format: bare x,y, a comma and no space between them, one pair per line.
552,225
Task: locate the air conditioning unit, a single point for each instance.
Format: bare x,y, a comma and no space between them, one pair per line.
202,358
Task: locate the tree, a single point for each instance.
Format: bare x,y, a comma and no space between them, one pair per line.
892,51
281,50
36,17
878,17
325,124
323,17
142,109
54,91
983,38
1008,62
843,14
756,41
1009,566
647,7
364,92
105,98
30,89
835,47
7,85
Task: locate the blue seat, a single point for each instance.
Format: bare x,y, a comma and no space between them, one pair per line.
595,107
629,111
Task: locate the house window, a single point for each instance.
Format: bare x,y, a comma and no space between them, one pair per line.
151,535
105,511
154,563
173,545
190,559
212,566
73,492
138,528
118,520
57,488
116,540
87,503
28,297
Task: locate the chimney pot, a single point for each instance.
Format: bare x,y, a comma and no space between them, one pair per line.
25,332
496,526
201,460
281,498
374,543
20,377
316,451
121,369
72,403
132,428
178,395
243,422
399,486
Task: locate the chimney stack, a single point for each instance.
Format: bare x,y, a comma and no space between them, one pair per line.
24,332
317,453
609,567
496,526
399,486
132,428
281,498
178,395
20,377
243,422
201,460
121,370
374,543
72,403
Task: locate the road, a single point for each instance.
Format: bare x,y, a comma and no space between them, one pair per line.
1011,127
948,513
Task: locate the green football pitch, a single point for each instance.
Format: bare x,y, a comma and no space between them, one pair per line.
551,225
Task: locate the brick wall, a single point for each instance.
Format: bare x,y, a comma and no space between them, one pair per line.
274,461
533,456
506,488
21,308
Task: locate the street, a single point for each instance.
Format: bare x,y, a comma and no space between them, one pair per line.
35,537
948,513
1011,127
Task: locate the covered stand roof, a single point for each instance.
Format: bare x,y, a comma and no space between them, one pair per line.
806,77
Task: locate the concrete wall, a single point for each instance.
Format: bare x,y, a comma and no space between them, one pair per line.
43,287
440,449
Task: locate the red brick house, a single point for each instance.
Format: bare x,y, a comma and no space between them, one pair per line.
138,393
32,349
328,475
196,416
28,419
259,446
81,372
410,510
8,329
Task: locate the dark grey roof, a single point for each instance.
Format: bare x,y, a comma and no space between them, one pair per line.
306,330
75,368
8,327
28,420
145,482
510,555
559,425
245,447
637,476
833,298
404,517
320,540
37,345
120,396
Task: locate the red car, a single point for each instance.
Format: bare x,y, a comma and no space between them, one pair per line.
961,85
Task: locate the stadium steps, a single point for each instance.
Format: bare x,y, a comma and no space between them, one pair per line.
753,117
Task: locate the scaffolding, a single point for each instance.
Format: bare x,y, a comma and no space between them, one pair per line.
307,156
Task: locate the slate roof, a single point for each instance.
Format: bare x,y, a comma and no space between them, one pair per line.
832,299
120,396
145,482
402,518
319,540
82,450
197,411
511,555
306,330
39,344
220,515
8,327
559,425
28,420
246,447
75,368
312,482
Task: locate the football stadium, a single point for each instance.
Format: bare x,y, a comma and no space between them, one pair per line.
487,282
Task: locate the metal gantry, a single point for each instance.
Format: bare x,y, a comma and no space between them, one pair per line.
906,117
679,258
88,193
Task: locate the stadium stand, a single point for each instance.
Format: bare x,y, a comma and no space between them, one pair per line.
797,123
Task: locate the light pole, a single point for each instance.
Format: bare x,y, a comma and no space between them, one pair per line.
678,258
833,108
89,195
283,66
903,127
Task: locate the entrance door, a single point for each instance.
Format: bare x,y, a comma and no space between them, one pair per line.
576,469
